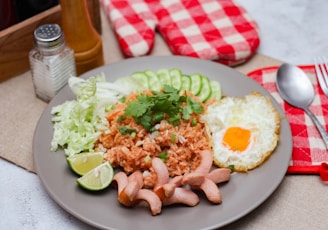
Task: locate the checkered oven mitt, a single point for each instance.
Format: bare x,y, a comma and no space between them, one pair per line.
218,30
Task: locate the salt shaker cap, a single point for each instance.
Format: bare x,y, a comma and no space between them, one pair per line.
48,36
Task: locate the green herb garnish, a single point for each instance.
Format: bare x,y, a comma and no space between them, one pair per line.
124,130
148,110
163,156
172,138
232,167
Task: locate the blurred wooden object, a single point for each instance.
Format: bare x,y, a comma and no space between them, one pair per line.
94,12
17,41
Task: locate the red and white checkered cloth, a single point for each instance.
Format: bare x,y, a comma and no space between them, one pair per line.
309,150
218,30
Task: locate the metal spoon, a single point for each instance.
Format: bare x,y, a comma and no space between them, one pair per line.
295,88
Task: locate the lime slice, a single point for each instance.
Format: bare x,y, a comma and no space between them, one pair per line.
98,178
84,162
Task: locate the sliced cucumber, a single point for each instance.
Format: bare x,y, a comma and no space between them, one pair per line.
142,78
164,76
206,90
186,84
129,84
176,78
153,81
216,90
196,83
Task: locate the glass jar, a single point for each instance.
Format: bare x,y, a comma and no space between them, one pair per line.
51,61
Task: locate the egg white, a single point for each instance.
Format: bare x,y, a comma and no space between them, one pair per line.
254,112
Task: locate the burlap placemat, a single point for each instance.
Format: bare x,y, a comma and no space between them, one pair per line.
20,109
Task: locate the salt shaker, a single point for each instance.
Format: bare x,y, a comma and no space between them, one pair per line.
51,61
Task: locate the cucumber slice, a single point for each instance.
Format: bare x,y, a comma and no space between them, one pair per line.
176,78
154,82
142,78
196,83
216,90
206,90
129,84
164,76
186,84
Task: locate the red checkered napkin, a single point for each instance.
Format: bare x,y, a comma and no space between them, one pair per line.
309,150
218,30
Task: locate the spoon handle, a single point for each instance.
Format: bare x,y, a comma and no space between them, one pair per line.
317,123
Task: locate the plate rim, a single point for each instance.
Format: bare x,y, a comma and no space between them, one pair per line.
172,59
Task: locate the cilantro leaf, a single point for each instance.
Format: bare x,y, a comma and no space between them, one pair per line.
163,156
145,120
158,116
148,110
196,106
175,120
126,130
192,107
186,111
135,109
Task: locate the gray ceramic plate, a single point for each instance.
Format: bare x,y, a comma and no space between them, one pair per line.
242,194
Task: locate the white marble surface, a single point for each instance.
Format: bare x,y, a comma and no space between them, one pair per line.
294,31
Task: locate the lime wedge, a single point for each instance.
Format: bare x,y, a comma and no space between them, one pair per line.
84,162
98,178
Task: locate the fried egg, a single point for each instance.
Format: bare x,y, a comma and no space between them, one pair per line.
243,131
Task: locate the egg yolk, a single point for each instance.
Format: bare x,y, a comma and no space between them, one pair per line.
237,138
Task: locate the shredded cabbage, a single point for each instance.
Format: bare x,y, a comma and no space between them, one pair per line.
78,123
